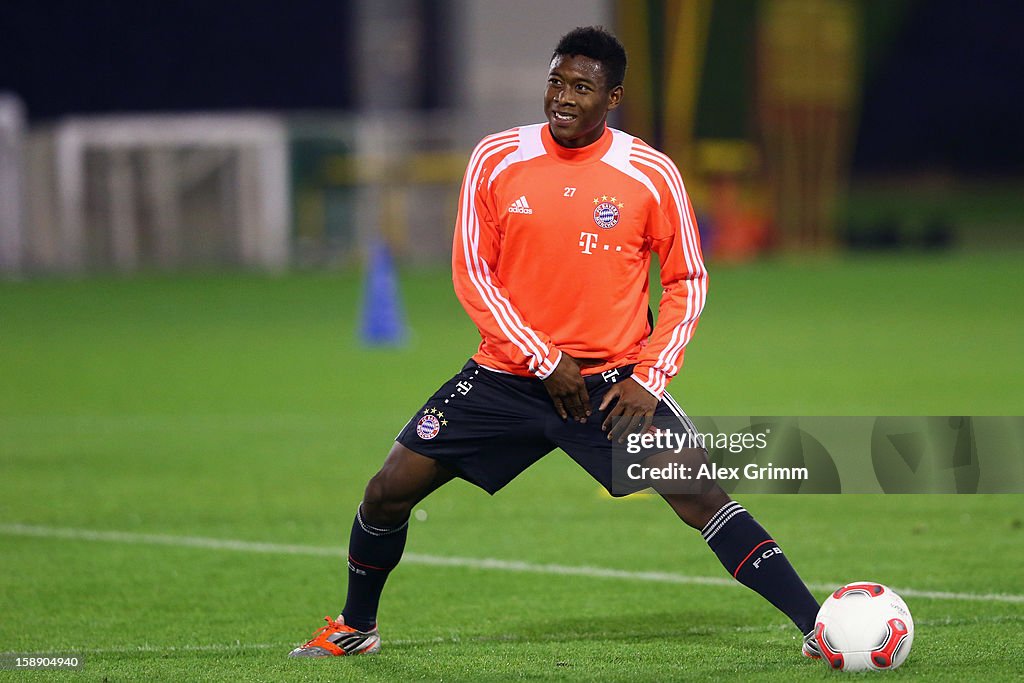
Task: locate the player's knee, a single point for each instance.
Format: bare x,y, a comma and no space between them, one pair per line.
381,506
707,505
697,509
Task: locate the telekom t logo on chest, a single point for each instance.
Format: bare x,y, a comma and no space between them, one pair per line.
588,240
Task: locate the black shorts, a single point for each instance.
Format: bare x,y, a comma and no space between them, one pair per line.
487,427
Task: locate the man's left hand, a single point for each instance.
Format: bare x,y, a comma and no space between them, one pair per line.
633,411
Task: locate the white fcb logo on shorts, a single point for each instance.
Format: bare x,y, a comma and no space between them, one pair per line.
428,427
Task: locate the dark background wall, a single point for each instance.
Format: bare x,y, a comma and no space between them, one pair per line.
108,55
942,86
947,91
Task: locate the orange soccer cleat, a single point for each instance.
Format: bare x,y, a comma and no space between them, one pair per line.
338,640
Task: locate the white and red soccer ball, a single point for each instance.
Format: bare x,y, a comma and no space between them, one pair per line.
864,626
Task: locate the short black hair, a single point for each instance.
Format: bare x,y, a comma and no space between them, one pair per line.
598,44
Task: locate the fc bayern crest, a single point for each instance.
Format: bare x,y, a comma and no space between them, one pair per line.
606,213
428,427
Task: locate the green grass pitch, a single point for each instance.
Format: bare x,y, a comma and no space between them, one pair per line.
180,459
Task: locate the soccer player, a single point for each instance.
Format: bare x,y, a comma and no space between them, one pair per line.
556,226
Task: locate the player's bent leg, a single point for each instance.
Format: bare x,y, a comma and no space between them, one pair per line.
379,530
405,478
375,547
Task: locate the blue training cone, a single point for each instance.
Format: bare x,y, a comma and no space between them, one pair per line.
383,321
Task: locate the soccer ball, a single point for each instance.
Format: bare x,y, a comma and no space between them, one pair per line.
864,626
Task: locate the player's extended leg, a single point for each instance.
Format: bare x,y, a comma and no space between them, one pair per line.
375,547
746,551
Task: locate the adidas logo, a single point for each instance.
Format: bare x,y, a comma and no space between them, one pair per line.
520,206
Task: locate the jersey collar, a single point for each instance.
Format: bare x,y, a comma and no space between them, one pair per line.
580,155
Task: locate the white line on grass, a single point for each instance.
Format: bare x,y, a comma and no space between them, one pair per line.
491,564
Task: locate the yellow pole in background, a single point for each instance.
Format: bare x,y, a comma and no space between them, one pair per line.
807,85
632,27
686,28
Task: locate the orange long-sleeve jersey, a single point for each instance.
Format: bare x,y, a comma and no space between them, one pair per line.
552,253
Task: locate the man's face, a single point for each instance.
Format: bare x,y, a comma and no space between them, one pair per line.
577,100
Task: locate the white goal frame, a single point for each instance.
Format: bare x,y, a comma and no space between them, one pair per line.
262,183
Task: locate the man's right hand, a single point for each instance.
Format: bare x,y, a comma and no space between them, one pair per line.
567,389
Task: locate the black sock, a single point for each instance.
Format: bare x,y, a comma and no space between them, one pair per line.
748,553
372,553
